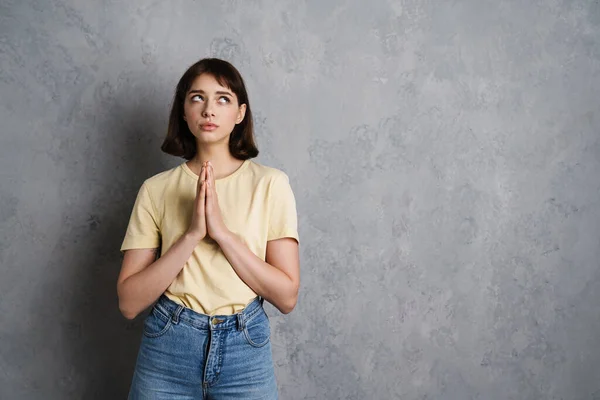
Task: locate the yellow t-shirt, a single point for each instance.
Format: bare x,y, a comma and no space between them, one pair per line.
257,204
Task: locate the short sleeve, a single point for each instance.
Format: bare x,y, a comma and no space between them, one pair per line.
142,231
283,219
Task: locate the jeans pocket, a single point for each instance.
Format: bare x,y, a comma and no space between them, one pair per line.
156,324
257,331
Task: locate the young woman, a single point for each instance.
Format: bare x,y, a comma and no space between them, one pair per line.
226,228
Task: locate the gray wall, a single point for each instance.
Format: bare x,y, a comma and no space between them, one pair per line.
445,157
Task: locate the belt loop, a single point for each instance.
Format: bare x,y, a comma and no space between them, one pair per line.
176,314
241,321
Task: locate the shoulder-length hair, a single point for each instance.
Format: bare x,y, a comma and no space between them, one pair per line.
180,141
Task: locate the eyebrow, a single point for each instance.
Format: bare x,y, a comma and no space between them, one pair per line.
203,92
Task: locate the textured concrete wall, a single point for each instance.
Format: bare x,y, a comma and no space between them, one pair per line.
445,157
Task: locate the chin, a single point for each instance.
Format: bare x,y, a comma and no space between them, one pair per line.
211,138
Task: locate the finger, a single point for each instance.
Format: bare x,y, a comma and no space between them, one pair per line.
207,181
200,180
199,184
211,177
202,201
213,180
203,183
204,189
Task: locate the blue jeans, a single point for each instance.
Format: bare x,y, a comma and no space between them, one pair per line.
188,355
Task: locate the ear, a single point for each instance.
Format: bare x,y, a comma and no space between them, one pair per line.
241,114
184,117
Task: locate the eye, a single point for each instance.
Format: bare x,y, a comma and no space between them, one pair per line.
224,99
193,98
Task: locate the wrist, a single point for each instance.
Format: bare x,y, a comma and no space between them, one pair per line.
193,236
224,237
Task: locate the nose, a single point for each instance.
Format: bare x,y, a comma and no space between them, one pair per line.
208,110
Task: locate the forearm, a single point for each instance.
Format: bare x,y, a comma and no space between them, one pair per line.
266,280
140,290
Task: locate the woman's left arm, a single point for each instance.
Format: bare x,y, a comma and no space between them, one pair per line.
277,279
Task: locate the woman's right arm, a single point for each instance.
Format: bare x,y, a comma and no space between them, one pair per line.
143,278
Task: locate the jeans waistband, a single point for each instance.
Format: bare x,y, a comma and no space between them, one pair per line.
178,313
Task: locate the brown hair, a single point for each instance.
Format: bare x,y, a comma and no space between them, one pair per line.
180,141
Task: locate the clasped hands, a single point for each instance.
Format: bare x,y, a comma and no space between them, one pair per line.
206,217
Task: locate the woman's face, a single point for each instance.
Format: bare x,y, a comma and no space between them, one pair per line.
211,110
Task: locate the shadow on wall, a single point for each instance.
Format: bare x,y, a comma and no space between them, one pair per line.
123,150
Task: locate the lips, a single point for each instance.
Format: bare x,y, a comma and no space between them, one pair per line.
209,127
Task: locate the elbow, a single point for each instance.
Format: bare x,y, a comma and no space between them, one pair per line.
288,305
125,308
286,310
127,312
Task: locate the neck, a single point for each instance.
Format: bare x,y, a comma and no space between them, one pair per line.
223,162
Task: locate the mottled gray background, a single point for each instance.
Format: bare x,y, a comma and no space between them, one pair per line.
445,157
